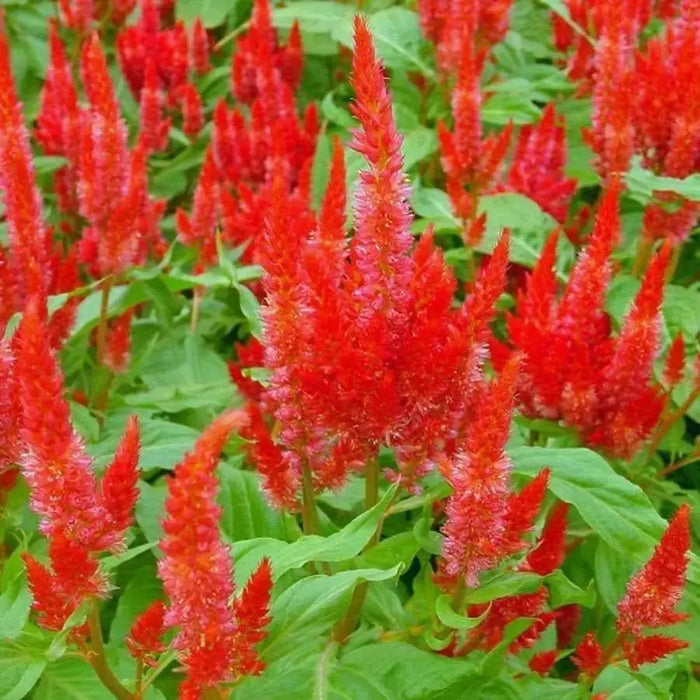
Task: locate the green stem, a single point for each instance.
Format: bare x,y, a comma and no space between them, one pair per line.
309,516
347,624
102,322
98,659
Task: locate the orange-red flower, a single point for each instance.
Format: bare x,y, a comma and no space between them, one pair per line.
216,635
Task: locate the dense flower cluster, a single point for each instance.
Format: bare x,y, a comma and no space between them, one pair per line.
351,327
80,515
649,602
247,153
32,264
216,636
574,369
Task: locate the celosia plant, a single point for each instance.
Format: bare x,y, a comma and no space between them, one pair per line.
411,286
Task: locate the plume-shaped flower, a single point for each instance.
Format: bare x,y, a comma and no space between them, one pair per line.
652,593
476,512
30,244
64,490
145,637
537,169
197,573
75,577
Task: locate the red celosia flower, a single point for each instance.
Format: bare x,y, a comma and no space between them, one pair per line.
589,656
250,354
675,362
537,170
64,490
451,24
632,405
197,573
118,345
649,649
154,130
653,592
145,637
522,509
568,617
280,481
543,662
338,315
199,229
549,553
192,111
251,610
477,509
10,418
30,244
573,369
200,47
118,488
75,577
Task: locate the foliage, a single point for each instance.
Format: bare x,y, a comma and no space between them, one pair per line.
349,349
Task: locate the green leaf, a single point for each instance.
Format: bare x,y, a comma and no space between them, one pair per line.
529,225
314,16
308,608
642,184
149,509
246,514
435,205
417,145
447,615
506,584
15,603
411,673
340,546
563,591
142,589
212,12
617,510
70,679
115,560
20,669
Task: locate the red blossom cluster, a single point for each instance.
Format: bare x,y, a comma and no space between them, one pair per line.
574,369
667,119
645,99
486,523
217,634
649,602
472,161
351,327
451,23
81,516
104,181
80,15
248,152
157,63
537,168
32,265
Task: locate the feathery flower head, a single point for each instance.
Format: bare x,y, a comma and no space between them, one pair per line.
476,511
654,591
64,490
75,577
548,555
589,656
30,245
196,570
145,637
382,216
537,170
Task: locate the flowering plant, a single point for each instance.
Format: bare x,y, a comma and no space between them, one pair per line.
349,349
